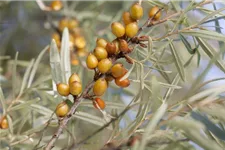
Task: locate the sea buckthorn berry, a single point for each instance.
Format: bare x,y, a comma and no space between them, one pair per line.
63,89
131,29
62,109
62,24
92,61
101,43
98,103
123,46
104,65
71,41
127,18
117,29
118,70
72,23
82,52
74,77
124,83
56,36
100,53
109,78
75,88
80,42
136,11
111,48
152,13
56,5
116,42
100,87
4,123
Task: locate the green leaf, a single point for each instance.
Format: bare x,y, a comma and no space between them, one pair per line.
205,34
211,52
215,19
155,94
187,45
178,62
128,73
65,56
14,76
2,100
23,104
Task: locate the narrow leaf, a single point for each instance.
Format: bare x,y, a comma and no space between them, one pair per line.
187,45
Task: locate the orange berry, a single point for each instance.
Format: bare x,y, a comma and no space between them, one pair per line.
63,89
117,29
74,77
111,48
152,13
91,61
82,52
123,46
75,88
100,53
127,18
124,83
99,103
80,42
116,42
104,65
101,43
62,24
136,11
62,109
56,36
56,5
100,87
131,29
4,123
73,23
118,70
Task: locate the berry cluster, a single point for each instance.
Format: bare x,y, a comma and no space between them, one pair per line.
4,123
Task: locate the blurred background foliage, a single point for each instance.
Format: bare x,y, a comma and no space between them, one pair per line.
26,29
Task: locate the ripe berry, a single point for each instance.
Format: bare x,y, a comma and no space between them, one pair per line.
131,29
62,24
73,23
101,43
92,61
127,18
136,11
111,48
56,5
80,42
98,103
82,52
100,87
74,77
56,36
118,70
4,123
63,89
104,65
124,83
62,109
100,53
123,46
75,88
152,13
117,29
116,42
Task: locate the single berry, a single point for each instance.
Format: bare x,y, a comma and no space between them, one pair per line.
100,87
152,13
104,65
98,103
100,53
62,24
101,43
123,46
131,29
62,109
63,89
117,29
73,23
4,123
82,52
136,11
118,70
127,19
80,42
74,77
56,36
92,61
111,48
124,83
56,5
75,88
116,42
